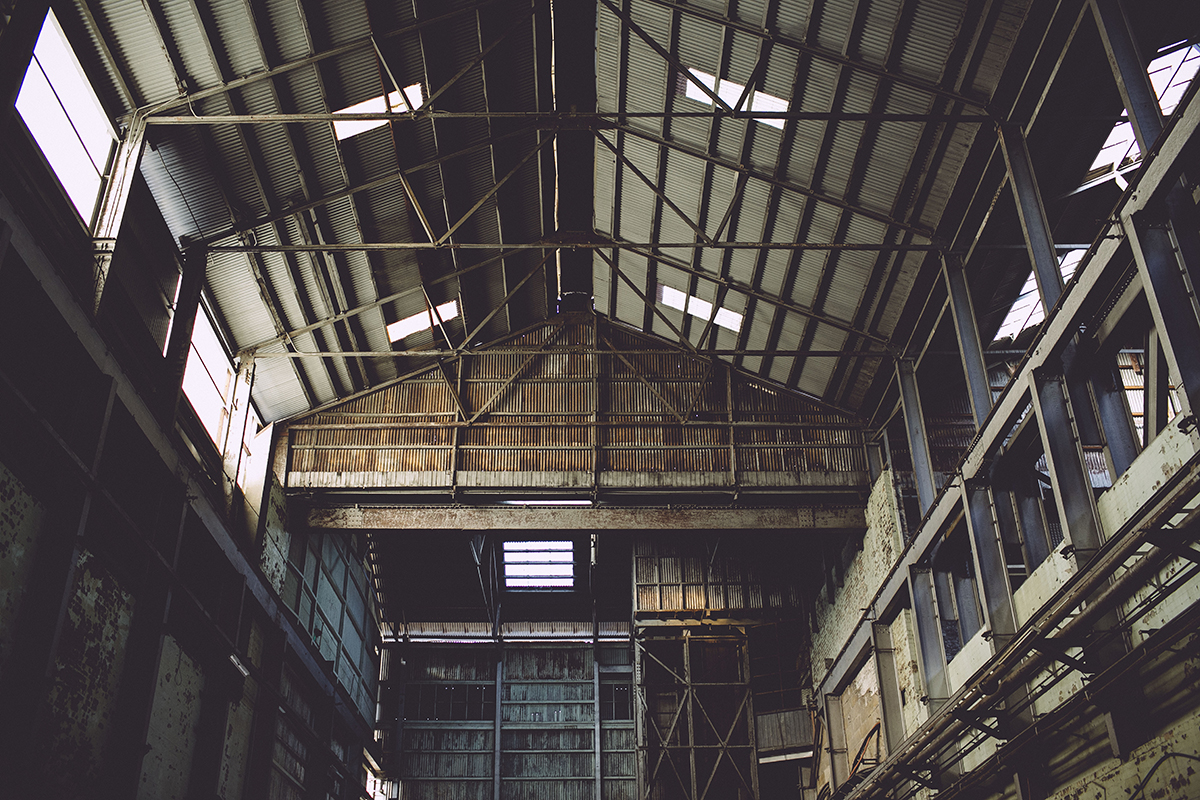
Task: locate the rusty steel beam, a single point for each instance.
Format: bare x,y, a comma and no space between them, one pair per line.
420,519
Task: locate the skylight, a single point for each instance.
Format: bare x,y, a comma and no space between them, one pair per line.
1170,74
539,565
673,298
731,93
61,110
422,321
394,101
1027,309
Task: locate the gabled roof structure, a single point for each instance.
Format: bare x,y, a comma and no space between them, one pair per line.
799,169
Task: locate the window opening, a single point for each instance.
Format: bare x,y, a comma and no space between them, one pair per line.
61,111
422,321
673,298
1027,309
393,101
731,93
208,377
616,701
539,565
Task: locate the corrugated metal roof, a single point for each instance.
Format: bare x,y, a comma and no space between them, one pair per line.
819,181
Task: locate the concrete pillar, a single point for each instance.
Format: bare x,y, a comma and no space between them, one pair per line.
918,440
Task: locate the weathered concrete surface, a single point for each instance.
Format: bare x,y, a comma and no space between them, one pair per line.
21,519
276,539
882,545
174,717
1162,763
1161,459
862,710
87,675
1043,583
586,518
908,671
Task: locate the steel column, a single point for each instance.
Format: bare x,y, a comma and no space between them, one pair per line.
968,337
889,685
1156,408
929,636
991,566
839,768
235,428
183,320
914,423
1032,215
496,750
1129,70
1068,471
112,204
1171,304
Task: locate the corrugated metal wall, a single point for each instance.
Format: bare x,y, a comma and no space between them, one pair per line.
547,722
605,406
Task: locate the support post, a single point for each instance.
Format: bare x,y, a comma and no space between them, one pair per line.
1156,388
839,768
889,685
914,423
929,637
1068,471
991,566
1171,304
496,749
183,321
113,202
968,338
1032,214
235,430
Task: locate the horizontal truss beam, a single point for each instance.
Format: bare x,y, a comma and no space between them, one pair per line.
575,119
397,520
574,350
332,247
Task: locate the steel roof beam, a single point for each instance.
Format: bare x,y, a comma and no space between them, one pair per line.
576,349
186,100
598,119
791,186
593,245
823,54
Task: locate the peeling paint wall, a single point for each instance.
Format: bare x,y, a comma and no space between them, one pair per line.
1165,768
239,727
276,539
21,519
174,717
908,671
87,675
862,710
882,546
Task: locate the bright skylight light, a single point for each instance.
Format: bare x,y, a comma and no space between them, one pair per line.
208,377
62,112
394,101
1170,74
731,92
539,565
673,298
1027,309
421,321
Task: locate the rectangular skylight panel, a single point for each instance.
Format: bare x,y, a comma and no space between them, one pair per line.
672,298
74,91
695,92
539,583
699,308
539,564
393,101
421,321
730,92
765,102
730,320
521,570
538,547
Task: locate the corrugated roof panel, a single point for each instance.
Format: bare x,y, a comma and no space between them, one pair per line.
683,185
699,43
277,392
608,60
743,55
876,35
232,287
792,19
998,46
833,26
202,210
752,11
730,137
646,86
138,46
961,139
722,184
637,201
781,72
926,48
847,137
284,28
759,320
806,145
808,274
237,35
904,283
601,283
764,148
188,36
850,276
629,306
606,180
814,378
342,20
